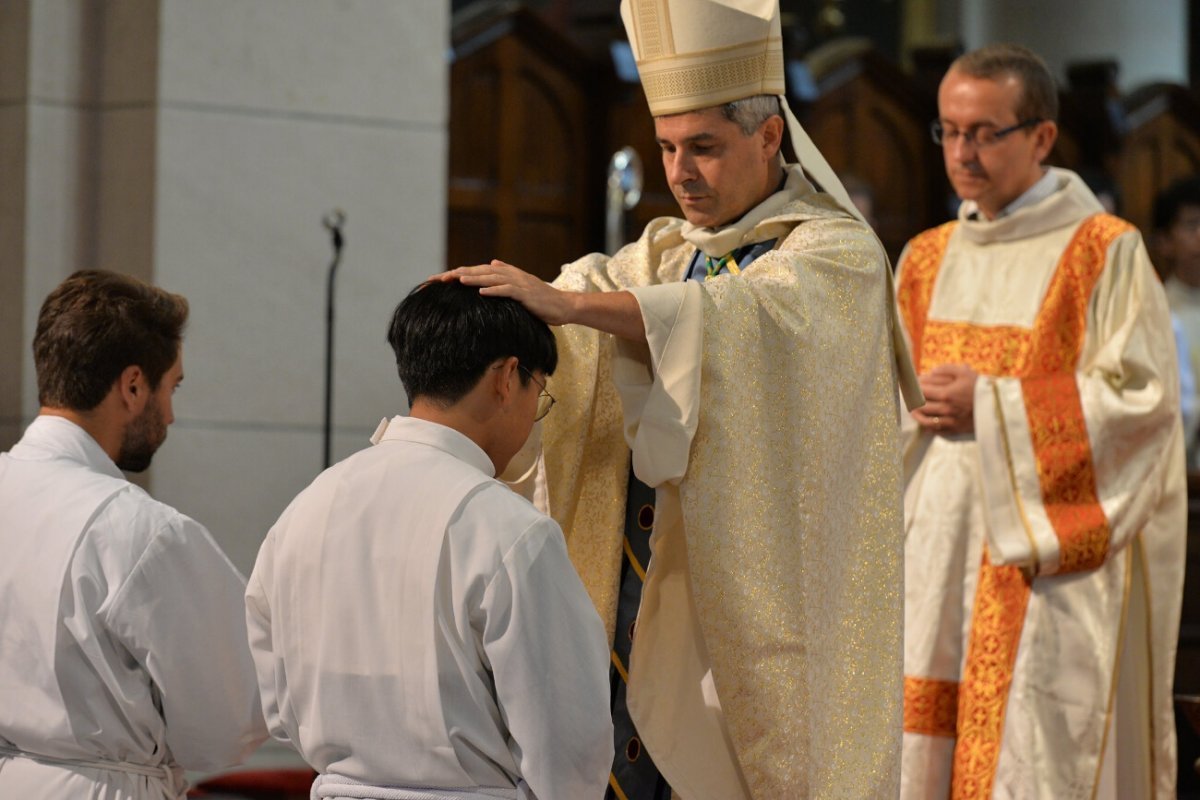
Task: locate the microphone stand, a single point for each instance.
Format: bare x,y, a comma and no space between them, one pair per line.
333,222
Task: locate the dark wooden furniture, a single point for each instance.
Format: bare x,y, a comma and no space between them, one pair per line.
871,120
524,185
1161,145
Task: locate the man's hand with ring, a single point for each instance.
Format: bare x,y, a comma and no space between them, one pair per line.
949,391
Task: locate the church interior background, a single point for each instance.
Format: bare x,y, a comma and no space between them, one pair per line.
200,145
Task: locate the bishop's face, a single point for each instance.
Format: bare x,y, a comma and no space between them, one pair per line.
716,172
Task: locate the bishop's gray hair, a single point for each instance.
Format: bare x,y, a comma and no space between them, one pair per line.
750,113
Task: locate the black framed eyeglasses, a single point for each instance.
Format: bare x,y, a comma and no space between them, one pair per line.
545,399
982,136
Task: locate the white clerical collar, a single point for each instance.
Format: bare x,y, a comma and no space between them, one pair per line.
1045,186
52,436
411,429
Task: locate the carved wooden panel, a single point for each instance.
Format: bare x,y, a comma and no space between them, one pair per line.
1162,145
872,121
1067,152
522,183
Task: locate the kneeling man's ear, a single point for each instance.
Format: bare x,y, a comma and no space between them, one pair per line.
506,378
133,388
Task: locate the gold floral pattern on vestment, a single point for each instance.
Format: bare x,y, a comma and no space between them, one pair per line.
796,573
915,288
996,622
930,706
1056,423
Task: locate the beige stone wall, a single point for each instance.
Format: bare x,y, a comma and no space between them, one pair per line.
199,144
1148,39
14,123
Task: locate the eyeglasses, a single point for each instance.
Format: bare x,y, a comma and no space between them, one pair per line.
981,136
545,399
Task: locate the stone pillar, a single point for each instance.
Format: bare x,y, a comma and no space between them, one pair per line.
14,127
199,145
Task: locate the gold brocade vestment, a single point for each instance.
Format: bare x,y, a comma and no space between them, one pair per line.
767,660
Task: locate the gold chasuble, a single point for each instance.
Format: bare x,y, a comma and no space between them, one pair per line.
1044,554
767,657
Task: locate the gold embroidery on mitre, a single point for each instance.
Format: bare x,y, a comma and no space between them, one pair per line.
729,52
652,24
673,87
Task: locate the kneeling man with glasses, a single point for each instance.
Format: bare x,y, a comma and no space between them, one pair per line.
417,627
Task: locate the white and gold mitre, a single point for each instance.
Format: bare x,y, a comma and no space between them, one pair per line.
694,54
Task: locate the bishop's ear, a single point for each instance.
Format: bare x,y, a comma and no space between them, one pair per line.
772,135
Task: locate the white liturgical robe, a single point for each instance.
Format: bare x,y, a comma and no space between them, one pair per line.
1044,552
416,624
123,658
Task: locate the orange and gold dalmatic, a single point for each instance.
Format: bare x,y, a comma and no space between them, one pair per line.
1044,358
930,706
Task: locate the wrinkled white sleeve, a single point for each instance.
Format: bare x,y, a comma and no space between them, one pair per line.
1073,464
272,681
659,382
180,614
549,656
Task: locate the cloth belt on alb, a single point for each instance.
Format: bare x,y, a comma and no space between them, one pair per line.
334,786
163,773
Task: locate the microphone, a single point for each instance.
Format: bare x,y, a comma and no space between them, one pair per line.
333,222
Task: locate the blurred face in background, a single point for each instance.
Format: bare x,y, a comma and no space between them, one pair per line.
1180,245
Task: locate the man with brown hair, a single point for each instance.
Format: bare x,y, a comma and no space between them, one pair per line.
1045,502
123,655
